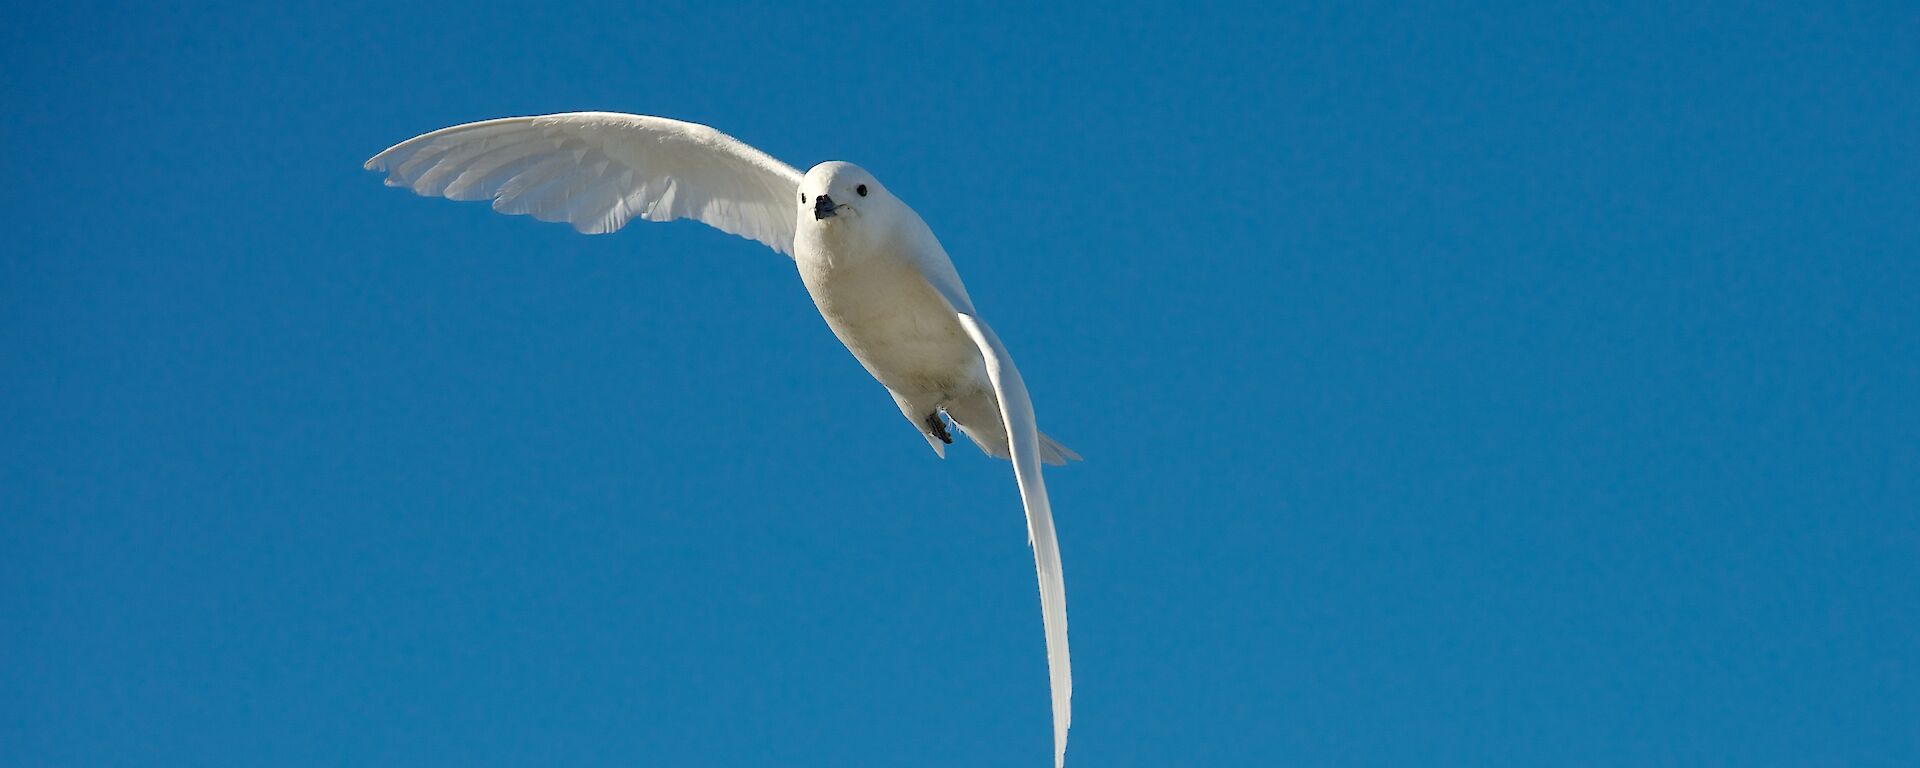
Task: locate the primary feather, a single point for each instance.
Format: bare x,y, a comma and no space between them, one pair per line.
598,170
1023,436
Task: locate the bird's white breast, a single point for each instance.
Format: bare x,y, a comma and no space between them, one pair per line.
876,300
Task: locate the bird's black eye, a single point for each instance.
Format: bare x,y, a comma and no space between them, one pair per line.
861,190
803,198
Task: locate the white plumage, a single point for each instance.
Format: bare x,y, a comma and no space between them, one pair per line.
597,170
880,278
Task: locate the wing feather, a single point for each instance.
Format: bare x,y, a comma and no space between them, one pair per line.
1023,436
597,170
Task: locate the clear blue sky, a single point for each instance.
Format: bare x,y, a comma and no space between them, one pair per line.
1460,384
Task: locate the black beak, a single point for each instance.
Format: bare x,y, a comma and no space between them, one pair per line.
823,208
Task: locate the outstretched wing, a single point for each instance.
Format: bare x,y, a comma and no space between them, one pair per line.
597,170
1024,438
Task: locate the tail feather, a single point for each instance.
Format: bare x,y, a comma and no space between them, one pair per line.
1052,452
979,418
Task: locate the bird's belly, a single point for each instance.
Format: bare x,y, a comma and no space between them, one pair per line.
897,326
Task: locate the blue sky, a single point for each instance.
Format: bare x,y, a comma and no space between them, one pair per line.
1460,384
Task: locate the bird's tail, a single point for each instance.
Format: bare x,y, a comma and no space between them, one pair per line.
979,418
1052,452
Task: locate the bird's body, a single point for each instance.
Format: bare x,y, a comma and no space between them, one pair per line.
870,282
894,324
874,269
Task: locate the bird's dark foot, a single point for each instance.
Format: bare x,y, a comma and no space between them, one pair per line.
937,427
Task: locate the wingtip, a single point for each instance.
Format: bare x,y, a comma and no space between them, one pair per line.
1060,746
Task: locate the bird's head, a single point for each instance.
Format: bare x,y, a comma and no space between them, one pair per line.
836,191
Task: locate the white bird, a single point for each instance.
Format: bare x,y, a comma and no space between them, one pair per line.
873,267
